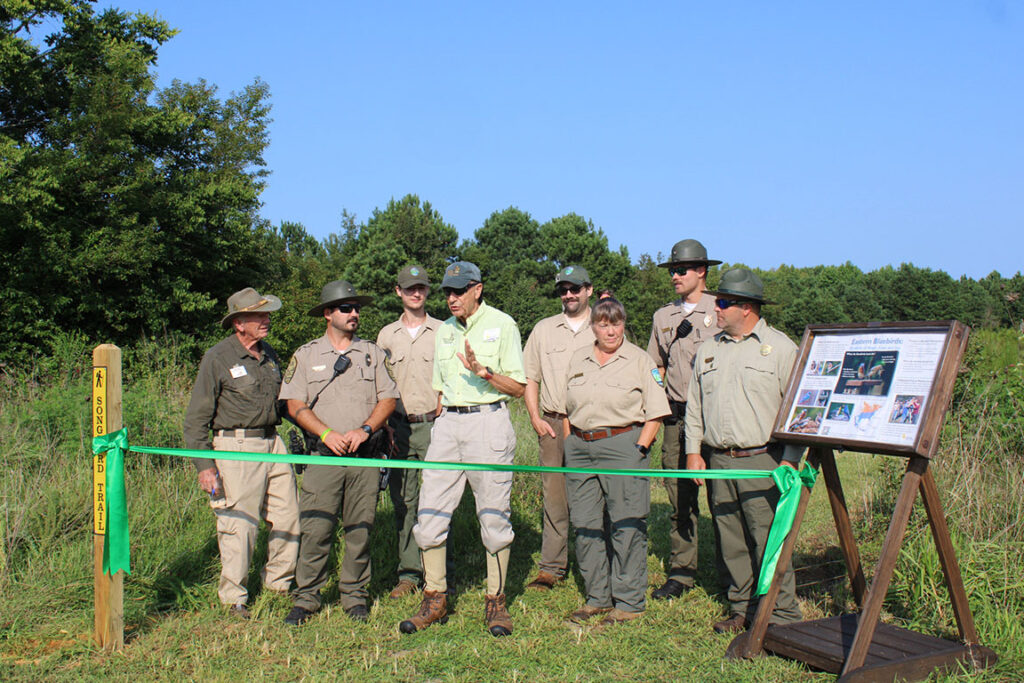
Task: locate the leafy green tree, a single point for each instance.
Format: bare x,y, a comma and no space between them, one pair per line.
125,210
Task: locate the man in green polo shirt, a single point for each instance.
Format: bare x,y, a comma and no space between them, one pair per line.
478,368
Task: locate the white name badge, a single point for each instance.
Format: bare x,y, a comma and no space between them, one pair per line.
318,368
492,334
238,371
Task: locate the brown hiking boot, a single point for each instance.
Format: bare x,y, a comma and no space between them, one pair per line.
403,588
545,581
737,623
587,612
497,618
433,608
617,616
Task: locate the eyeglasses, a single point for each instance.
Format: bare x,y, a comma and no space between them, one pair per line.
457,291
726,303
683,269
562,290
348,308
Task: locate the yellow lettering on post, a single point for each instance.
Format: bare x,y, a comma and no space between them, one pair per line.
99,462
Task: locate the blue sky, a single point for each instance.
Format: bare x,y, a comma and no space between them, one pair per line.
785,132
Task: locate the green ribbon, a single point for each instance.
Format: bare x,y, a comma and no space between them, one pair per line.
786,478
116,553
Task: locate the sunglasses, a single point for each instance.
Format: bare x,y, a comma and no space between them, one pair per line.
562,290
348,308
726,303
457,291
682,270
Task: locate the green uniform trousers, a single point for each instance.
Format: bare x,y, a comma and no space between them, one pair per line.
411,442
743,511
610,516
682,496
326,490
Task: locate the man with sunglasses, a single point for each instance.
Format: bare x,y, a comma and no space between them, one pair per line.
547,354
409,343
235,396
346,380
478,369
739,380
677,331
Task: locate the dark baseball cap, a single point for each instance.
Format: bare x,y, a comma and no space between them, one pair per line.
460,274
574,275
412,275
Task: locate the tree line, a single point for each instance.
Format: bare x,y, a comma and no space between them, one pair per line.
128,210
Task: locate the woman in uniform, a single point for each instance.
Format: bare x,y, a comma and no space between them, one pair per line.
615,403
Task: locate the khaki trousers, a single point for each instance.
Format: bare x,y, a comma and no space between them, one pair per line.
411,443
484,437
254,491
554,548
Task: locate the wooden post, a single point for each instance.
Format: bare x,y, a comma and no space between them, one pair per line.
108,625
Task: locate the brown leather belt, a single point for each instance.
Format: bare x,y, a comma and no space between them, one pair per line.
422,417
258,433
741,452
597,434
554,416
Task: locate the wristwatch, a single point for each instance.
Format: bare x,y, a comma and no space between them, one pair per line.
643,449
490,373
367,428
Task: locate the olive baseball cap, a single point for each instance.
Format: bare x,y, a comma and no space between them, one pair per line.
412,275
688,251
336,292
742,284
574,275
460,274
248,300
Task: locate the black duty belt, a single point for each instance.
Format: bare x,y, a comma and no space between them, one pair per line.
743,452
257,433
484,408
422,417
678,412
598,434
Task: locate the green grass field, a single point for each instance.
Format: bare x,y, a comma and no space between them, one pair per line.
176,630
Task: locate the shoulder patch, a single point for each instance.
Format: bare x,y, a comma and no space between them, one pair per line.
387,366
290,372
657,377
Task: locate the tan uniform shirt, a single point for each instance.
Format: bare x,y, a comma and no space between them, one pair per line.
676,355
737,389
347,401
412,362
625,390
547,354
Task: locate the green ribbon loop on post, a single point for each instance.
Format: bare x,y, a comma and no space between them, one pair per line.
116,553
788,480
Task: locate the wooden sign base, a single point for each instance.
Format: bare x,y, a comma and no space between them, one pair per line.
857,646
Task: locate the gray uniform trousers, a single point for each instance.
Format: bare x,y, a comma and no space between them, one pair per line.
325,490
411,442
610,516
743,511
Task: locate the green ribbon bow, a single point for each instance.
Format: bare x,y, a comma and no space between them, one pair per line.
788,480
116,554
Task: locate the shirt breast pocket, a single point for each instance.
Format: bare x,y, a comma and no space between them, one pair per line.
708,377
760,378
244,385
488,353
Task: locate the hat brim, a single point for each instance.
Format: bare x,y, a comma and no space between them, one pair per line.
272,304
739,295
701,261
362,300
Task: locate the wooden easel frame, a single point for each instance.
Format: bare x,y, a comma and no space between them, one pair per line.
856,646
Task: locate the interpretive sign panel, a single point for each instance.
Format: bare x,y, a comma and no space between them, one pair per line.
877,387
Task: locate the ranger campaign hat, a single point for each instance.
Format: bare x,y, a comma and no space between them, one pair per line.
688,251
412,275
742,284
337,292
248,300
574,275
460,274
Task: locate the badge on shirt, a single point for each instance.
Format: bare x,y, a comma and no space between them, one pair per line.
766,349
238,371
657,377
492,334
290,372
368,360
707,321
